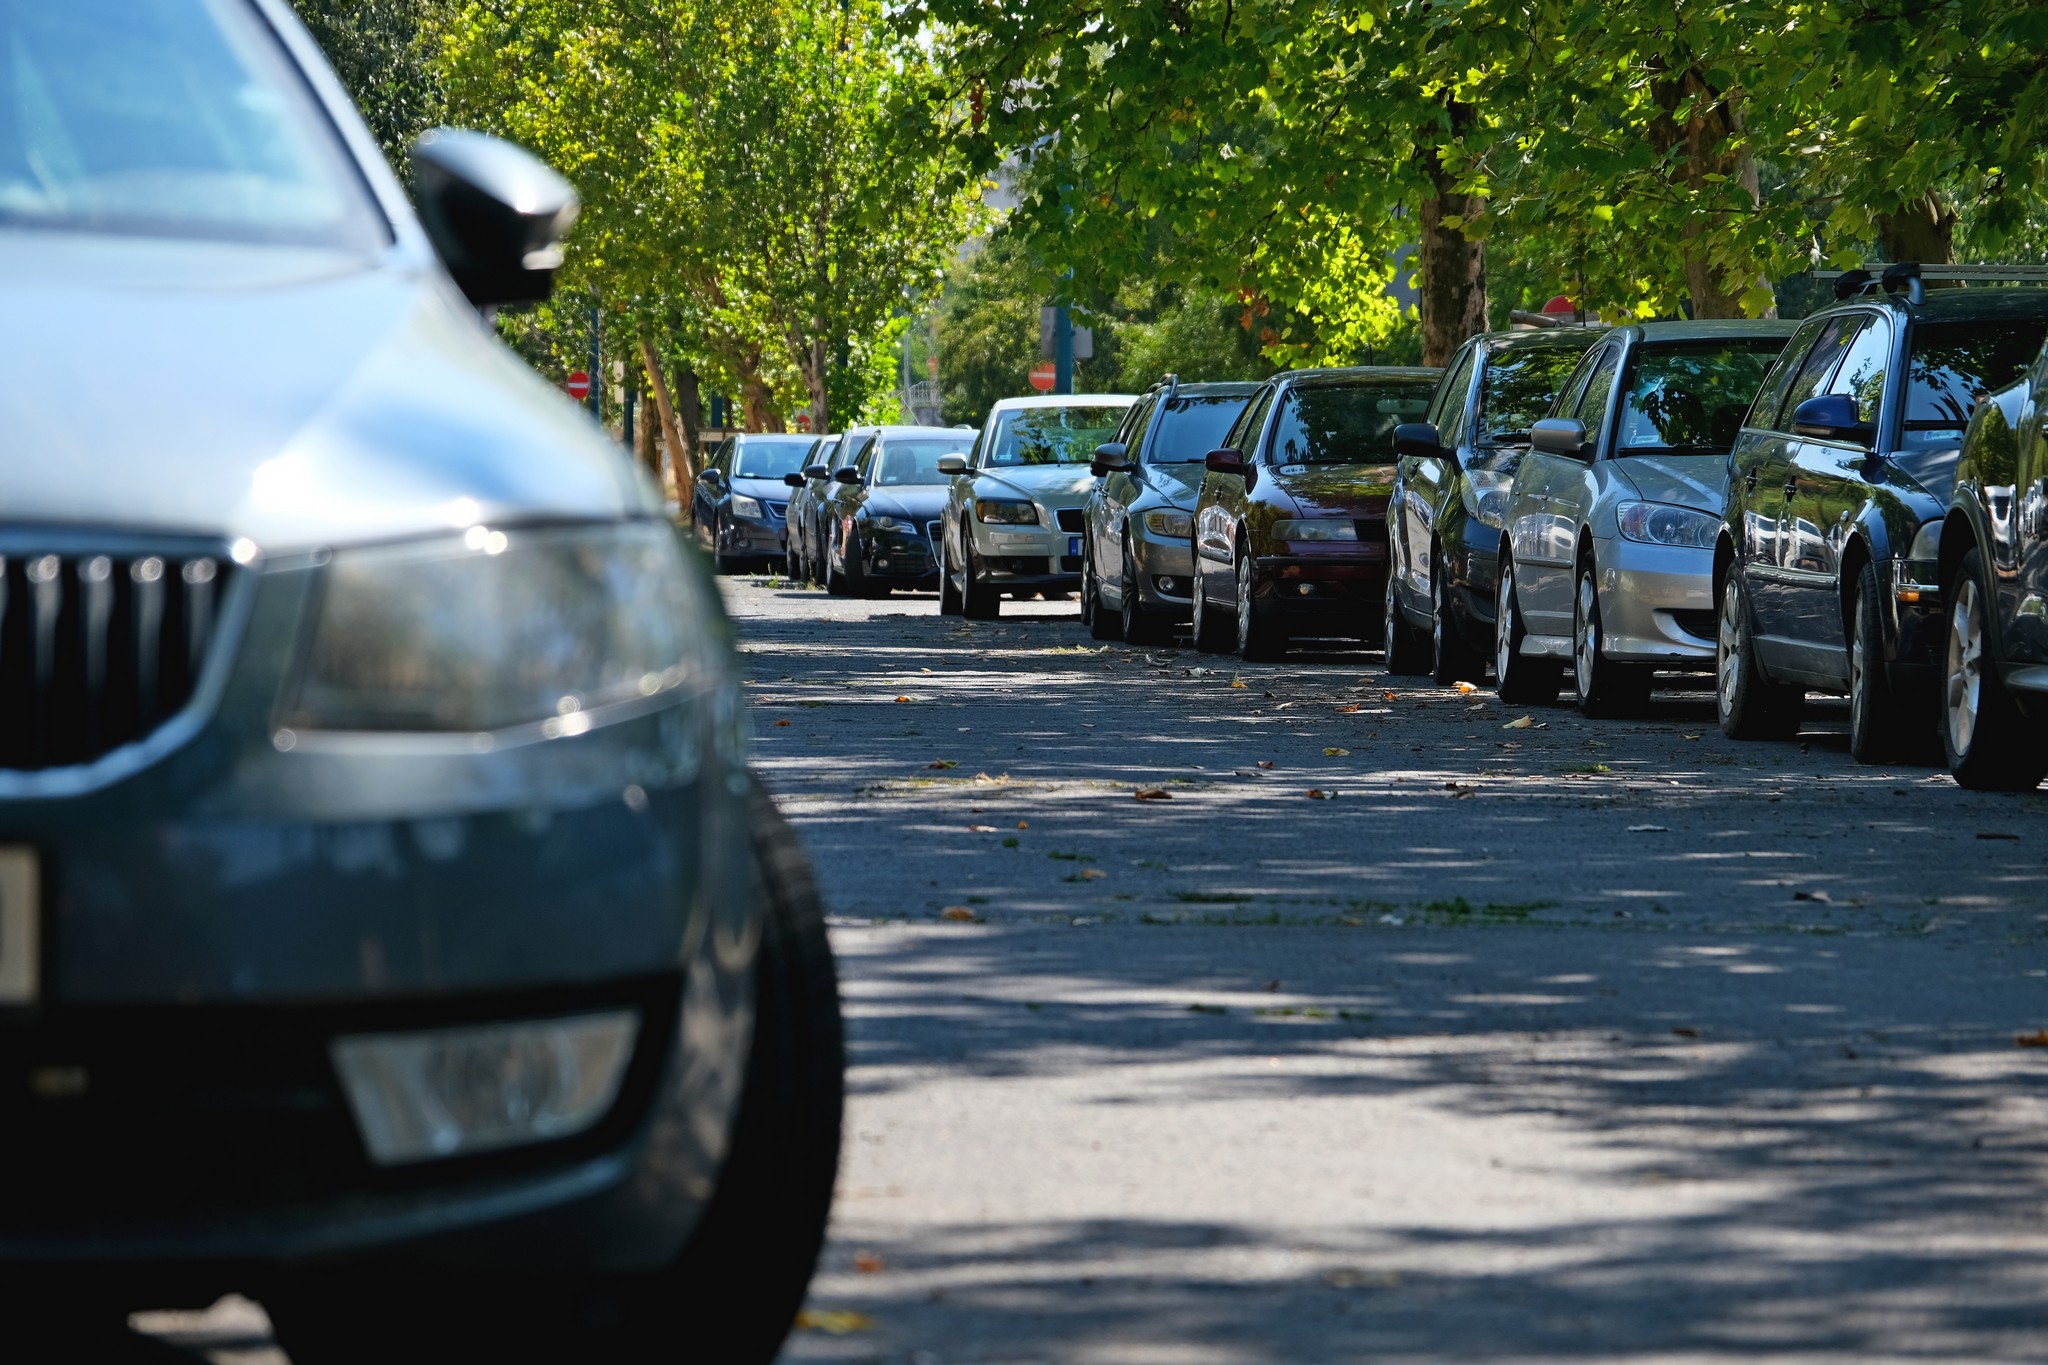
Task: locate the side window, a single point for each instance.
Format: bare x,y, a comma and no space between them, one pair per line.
852,449
1246,433
1592,405
1819,365
865,461
1575,387
1136,425
1863,368
1447,413
982,439
721,459
1763,413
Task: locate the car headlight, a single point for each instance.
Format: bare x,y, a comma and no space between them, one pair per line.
1926,542
1657,523
495,629
1486,496
1323,528
744,506
1008,511
897,524
1169,523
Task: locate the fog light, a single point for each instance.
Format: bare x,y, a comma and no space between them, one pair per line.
450,1092
1167,584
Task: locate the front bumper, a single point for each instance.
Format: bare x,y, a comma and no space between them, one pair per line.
741,538
1916,621
1656,603
1165,571
900,559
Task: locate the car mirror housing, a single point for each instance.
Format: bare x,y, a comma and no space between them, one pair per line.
952,464
817,471
495,212
1831,417
1227,461
711,478
793,480
846,474
1417,440
1109,459
1564,436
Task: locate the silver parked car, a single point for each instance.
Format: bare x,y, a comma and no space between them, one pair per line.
1013,518
389,925
1138,566
1611,520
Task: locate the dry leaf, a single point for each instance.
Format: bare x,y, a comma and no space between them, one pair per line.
781,724
959,914
1092,874
903,699
866,1262
1237,682
2038,1038
1266,763
1521,723
1349,708
1467,688
1688,736
1318,794
1684,1032
1336,753
981,829
1153,794
1387,696
1023,824
832,1321
942,763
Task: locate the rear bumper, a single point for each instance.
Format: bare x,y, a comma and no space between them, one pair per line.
1340,591
1027,557
1656,603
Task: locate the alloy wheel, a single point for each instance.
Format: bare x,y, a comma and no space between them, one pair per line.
1128,604
1244,601
1504,624
1859,685
1728,639
1586,647
1965,672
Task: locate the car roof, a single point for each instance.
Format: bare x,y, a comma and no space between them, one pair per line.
1064,400
1707,329
1965,304
1213,388
905,429
1542,339
1339,374
744,436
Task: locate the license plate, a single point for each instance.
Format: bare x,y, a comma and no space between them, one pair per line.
20,946
1074,547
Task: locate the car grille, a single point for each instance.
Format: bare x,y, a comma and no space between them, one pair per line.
97,650
1698,624
1071,519
931,531
778,511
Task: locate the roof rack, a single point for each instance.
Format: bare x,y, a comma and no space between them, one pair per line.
1906,277
1172,382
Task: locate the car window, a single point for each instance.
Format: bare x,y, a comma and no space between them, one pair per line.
827,452
1447,411
912,461
1189,427
1052,435
1862,372
1568,401
1953,365
1519,387
1592,400
852,447
1690,398
1770,399
769,457
170,118
1132,433
1346,423
1244,432
1819,365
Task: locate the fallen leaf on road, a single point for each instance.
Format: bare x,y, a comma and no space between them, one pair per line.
1821,896
1153,794
1346,1278
1648,829
780,724
1688,736
1266,763
1237,682
866,1262
903,699
1387,696
1092,874
833,1322
1023,824
1467,688
1273,985
981,829
1521,723
960,914
1336,753
1318,794
1685,1032
1349,708
924,670
942,763
2038,1038
1207,1009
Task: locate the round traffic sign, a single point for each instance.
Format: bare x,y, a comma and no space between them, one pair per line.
1043,375
579,385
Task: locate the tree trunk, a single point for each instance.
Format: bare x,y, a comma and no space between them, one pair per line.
1923,231
814,372
1451,274
758,400
690,412
1710,143
682,454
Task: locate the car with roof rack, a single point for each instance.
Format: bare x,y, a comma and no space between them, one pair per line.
1137,568
1826,568
806,486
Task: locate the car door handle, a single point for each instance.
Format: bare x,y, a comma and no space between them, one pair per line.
1749,483
1791,487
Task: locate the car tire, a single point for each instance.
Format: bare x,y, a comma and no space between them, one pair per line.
1749,705
792,563
836,581
1517,678
1606,688
1101,624
747,1264
1213,631
979,599
1879,730
1451,659
951,602
1140,626
1990,745
1407,648
1260,638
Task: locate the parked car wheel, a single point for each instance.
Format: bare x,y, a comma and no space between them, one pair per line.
1750,705
836,581
1259,636
1990,745
1407,648
951,603
1517,678
749,1262
1606,688
1214,630
1451,659
1879,728
792,563
1102,625
978,597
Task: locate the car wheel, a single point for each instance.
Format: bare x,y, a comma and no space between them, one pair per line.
979,598
1750,705
1606,688
1141,627
836,581
1878,727
1213,630
1259,637
746,1266
1405,645
1517,678
949,587
1990,745
1451,659
1101,624
792,563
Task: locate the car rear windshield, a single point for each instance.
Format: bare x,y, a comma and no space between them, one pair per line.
1520,386
1956,363
1052,435
1192,427
1346,423
1691,399
770,458
916,461
179,118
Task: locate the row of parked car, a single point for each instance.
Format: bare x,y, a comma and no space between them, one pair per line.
1853,504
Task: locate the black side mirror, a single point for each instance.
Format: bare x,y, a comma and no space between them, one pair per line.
846,473
1109,459
1227,461
1831,417
711,478
793,480
1417,441
1564,436
817,471
495,212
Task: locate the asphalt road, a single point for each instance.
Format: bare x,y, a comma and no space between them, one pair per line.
1574,1041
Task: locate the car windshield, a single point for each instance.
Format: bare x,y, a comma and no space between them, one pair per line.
1520,386
916,461
178,118
1189,428
770,458
1691,399
1956,363
1050,435
1350,423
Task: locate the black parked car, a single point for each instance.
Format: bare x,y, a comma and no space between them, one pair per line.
879,517
741,505
806,486
1451,480
1826,571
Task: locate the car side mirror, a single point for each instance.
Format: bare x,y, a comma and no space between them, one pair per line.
495,212
1109,459
1831,417
793,480
952,464
846,473
1227,461
711,478
817,471
1564,436
1417,441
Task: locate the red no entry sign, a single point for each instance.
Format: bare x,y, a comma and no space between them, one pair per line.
579,385
1042,376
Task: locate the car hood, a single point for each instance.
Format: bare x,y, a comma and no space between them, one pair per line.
919,503
1179,484
1699,481
296,398
1064,485
1335,488
763,490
